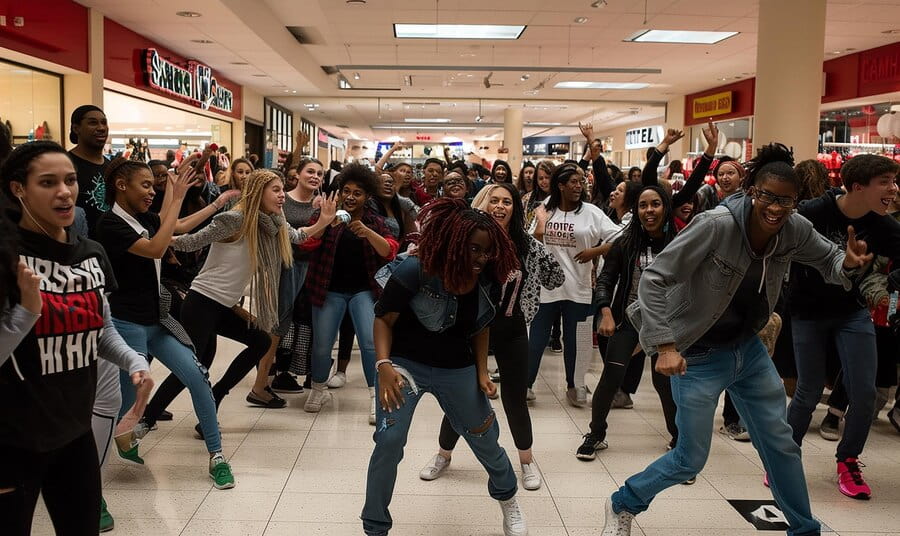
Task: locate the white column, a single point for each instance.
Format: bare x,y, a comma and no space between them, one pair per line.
789,53
85,88
512,138
675,119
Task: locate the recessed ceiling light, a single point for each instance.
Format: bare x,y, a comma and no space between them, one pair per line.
680,36
420,127
541,124
294,91
457,31
525,77
189,14
287,90
203,42
432,120
577,84
722,78
581,20
356,76
836,52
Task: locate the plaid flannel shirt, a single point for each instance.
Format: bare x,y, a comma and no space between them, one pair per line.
321,265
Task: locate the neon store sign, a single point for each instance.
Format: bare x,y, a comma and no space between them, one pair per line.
195,84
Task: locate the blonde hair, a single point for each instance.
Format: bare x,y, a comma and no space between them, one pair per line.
482,198
249,206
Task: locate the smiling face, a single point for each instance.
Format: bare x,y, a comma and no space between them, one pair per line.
402,175
455,186
291,178
501,174
728,179
766,215
481,250
240,174
310,177
386,190
543,180
49,192
92,131
272,197
651,212
353,198
500,206
685,211
135,193
879,193
160,177
572,189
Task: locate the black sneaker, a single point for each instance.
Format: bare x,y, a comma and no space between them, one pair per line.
556,346
165,416
894,417
588,450
285,383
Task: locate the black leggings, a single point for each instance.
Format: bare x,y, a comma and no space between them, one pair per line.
204,318
888,346
509,338
68,478
618,356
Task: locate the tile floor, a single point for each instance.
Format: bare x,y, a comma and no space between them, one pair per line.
300,474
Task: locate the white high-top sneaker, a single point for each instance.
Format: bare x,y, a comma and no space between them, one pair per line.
617,524
317,397
513,518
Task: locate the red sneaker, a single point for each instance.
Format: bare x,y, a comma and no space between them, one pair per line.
850,480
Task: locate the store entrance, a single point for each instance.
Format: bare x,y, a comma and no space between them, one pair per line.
254,137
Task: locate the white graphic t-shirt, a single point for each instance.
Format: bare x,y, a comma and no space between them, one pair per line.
566,235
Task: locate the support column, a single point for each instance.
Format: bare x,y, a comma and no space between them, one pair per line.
512,138
85,88
675,119
789,54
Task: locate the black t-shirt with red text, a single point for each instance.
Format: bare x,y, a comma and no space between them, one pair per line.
47,386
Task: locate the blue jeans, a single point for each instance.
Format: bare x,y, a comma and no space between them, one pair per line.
326,321
747,372
539,336
854,337
470,414
178,358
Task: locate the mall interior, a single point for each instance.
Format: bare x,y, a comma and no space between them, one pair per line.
342,81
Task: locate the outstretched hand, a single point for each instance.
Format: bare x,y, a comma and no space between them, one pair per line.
673,135
856,256
711,133
587,130
328,208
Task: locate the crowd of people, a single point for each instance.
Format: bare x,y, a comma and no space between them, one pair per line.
760,283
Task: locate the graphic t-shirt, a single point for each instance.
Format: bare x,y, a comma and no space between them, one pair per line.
91,189
47,386
566,235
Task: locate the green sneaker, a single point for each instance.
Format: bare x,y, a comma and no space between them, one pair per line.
107,523
131,455
220,472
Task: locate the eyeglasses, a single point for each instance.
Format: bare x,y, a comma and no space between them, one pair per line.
450,182
768,198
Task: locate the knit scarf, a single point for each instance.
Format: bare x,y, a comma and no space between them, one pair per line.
264,283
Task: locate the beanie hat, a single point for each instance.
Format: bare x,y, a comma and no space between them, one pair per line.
77,115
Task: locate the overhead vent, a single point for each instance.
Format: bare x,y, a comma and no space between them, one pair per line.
306,35
330,69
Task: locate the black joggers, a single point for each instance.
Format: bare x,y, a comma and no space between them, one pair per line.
68,478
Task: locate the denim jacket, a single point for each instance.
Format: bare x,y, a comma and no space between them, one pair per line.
691,282
432,304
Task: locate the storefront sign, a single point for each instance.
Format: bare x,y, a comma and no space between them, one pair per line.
641,138
194,83
423,137
712,105
879,70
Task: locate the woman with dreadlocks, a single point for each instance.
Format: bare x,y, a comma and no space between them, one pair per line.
431,335
520,297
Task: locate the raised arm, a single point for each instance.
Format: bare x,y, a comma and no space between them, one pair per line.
223,226
648,176
189,223
155,248
379,166
695,181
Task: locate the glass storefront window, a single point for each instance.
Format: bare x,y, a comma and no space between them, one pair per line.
30,103
735,137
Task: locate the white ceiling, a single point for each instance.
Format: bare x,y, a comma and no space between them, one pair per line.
254,32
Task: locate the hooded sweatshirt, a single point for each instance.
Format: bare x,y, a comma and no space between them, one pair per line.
504,164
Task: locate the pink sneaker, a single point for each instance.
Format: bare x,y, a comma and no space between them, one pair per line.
850,480
766,480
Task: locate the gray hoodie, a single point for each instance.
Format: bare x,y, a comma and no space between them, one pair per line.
692,281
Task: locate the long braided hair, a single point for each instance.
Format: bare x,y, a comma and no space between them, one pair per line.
447,225
634,238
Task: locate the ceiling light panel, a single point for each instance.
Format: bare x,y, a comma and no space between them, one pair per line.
681,36
577,84
457,31
427,120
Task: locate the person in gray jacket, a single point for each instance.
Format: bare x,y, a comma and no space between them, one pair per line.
700,305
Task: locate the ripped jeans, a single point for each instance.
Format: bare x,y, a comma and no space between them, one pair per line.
470,413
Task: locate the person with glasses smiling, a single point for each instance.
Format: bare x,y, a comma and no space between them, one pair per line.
700,305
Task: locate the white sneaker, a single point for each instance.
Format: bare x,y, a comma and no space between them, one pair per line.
435,468
531,476
513,518
581,395
617,524
529,395
372,411
316,399
337,381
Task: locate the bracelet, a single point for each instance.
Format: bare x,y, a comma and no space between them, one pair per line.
381,362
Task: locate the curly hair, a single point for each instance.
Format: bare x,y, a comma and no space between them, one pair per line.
773,161
444,246
120,168
361,175
813,177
